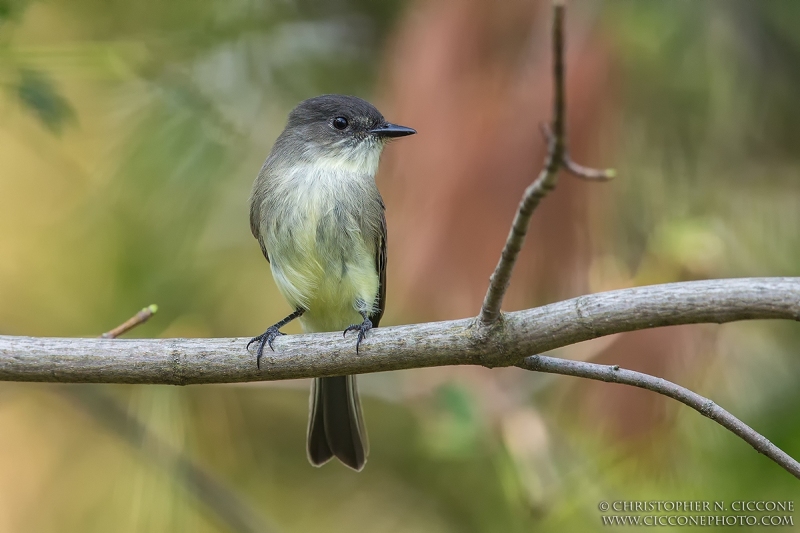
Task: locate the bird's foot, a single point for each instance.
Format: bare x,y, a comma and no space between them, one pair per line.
265,339
362,330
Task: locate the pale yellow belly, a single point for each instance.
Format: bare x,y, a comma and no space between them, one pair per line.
328,278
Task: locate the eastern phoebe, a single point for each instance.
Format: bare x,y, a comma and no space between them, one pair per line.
318,216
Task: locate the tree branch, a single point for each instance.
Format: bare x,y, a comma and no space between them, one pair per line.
704,406
510,341
455,342
557,158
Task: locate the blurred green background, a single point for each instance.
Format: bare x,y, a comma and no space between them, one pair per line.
130,133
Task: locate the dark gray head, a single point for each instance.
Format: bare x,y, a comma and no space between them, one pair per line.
334,122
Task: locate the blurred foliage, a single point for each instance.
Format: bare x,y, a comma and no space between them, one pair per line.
164,112
36,92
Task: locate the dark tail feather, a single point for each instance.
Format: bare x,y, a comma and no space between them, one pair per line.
317,447
335,423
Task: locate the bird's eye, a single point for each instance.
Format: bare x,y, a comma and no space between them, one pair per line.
340,123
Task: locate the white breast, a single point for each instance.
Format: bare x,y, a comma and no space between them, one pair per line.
320,258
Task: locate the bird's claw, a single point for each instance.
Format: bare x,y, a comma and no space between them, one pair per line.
362,329
265,339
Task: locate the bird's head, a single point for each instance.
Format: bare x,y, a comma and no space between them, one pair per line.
341,128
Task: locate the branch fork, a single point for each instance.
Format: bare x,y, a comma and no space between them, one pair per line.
557,158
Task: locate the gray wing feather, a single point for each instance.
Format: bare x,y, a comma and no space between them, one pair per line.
380,266
256,203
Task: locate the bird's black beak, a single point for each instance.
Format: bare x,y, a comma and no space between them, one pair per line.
392,130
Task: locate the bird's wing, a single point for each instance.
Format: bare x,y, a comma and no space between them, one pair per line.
256,205
380,266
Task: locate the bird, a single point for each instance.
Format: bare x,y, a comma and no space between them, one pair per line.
318,216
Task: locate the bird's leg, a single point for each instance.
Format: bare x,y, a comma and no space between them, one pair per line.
271,334
362,328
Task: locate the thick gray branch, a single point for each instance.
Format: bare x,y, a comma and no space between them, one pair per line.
508,341
615,374
457,342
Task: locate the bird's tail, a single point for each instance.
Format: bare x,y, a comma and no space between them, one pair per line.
335,423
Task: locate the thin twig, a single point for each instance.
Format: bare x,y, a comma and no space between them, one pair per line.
579,171
704,406
557,158
588,173
139,318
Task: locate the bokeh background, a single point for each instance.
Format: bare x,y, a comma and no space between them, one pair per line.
130,133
